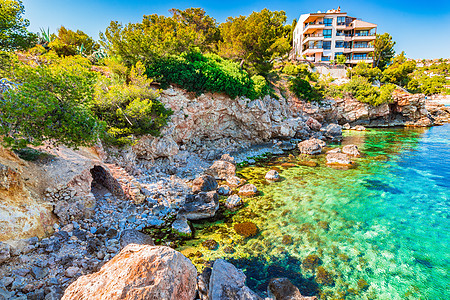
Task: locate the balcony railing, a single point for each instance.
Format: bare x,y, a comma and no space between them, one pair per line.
362,46
313,35
364,34
316,23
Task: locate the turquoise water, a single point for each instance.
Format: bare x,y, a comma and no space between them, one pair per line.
381,230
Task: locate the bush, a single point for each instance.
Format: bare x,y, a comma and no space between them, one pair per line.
200,73
363,91
427,85
304,90
129,106
301,71
51,103
364,70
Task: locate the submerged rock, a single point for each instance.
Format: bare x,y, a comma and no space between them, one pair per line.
283,289
227,282
132,236
233,201
139,272
359,128
311,146
200,206
246,229
272,175
235,181
181,227
210,244
204,183
248,190
338,159
351,150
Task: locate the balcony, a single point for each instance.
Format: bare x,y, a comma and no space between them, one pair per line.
312,27
312,37
313,50
362,48
364,37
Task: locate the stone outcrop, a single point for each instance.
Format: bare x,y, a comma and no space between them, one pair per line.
405,110
227,282
283,289
139,272
200,206
311,146
333,132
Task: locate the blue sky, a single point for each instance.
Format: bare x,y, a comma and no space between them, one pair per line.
420,28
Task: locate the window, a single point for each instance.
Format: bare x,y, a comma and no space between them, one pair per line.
327,33
327,45
328,21
325,58
340,20
361,45
347,44
360,56
339,44
340,33
337,54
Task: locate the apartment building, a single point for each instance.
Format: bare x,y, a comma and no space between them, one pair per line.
321,37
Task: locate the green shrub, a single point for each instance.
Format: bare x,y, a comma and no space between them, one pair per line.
301,71
363,91
304,90
427,85
51,103
200,73
364,70
129,106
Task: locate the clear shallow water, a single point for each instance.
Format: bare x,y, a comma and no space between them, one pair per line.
381,229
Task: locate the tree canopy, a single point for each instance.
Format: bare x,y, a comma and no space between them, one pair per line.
68,42
13,27
383,50
255,40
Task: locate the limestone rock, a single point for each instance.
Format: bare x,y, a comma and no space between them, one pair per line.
4,252
204,183
359,128
313,124
335,150
224,190
132,236
149,147
311,146
332,132
235,181
200,206
248,190
227,282
75,208
346,126
338,159
272,175
351,150
203,283
222,169
181,227
283,289
139,272
233,201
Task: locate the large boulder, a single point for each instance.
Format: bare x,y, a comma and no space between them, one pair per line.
227,282
233,202
181,227
204,183
248,190
311,146
139,272
313,124
222,169
283,289
200,206
132,236
351,150
272,175
338,159
332,132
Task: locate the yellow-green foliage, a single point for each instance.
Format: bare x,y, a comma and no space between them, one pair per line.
300,70
129,106
399,71
362,90
68,42
51,103
363,69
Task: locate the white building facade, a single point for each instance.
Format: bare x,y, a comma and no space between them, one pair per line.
321,37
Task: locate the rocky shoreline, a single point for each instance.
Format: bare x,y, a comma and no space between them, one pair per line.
99,201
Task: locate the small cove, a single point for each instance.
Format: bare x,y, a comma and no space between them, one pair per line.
379,230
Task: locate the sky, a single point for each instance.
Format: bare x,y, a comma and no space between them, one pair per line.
421,28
